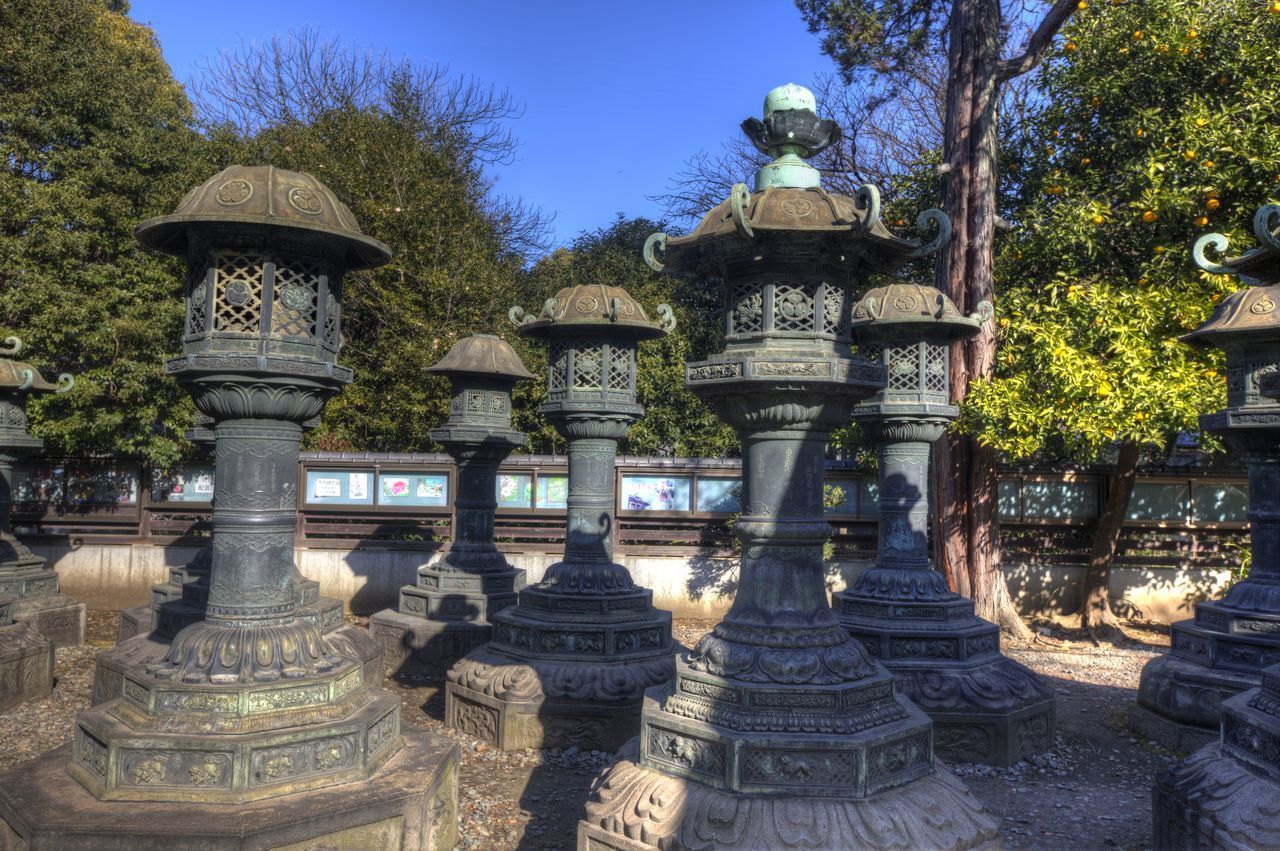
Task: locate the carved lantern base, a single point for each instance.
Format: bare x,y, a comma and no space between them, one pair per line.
445,616
145,631
1224,795
985,707
26,660
635,807
410,802
39,603
562,670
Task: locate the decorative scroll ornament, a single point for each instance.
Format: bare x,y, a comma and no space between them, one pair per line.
926,222
666,318
1266,223
653,246
1218,242
866,200
739,205
518,317
984,312
12,345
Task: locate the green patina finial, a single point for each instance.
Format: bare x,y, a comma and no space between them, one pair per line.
791,132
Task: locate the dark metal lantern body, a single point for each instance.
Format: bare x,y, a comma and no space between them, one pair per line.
985,707
1223,649
448,611
252,701
779,717
570,663
34,615
1223,668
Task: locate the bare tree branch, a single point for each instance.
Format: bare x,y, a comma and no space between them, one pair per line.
1039,41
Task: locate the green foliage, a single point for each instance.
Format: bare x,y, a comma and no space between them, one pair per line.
1158,122
675,421
881,35
404,146
94,137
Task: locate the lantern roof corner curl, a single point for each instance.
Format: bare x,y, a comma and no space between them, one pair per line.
1249,314
910,310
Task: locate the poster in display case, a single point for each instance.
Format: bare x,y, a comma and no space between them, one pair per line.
655,493
553,492
339,487
413,489
515,490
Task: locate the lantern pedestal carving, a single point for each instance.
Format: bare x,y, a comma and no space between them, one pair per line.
449,612
569,665
779,730
26,660
410,801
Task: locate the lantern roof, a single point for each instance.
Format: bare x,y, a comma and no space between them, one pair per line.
580,309
270,197
485,356
21,376
1250,313
789,200
886,312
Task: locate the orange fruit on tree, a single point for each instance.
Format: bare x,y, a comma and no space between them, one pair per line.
1097,220
1201,221
1212,204
1149,216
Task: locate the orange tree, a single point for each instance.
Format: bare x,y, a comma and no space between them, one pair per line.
1159,121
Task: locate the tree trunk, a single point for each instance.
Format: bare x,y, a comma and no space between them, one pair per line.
969,536
1095,603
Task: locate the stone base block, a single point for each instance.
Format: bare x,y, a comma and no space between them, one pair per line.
1000,739
1210,800
26,665
409,803
412,644
58,618
1186,696
633,808
136,620
1169,734
544,723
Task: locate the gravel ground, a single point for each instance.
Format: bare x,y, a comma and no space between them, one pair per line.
1091,791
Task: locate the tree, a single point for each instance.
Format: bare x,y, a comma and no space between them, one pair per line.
675,422
1159,122
882,39
405,146
95,136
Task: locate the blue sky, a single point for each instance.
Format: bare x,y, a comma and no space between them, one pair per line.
617,95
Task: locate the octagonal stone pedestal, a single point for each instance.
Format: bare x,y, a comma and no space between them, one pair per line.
26,660
410,802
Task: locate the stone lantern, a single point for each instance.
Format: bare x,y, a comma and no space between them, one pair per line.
254,729
985,707
1223,795
569,665
448,612
33,615
25,576
1223,649
779,730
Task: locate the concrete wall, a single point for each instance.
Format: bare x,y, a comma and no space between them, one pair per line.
115,576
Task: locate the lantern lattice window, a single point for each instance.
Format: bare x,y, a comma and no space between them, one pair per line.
619,370
903,365
297,293
559,365
237,289
793,307
935,368
588,366
331,309
198,304
475,402
747,312
833,312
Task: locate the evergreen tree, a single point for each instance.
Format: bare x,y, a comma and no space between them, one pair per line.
95,136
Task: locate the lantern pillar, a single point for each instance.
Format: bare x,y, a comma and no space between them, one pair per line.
779,718
985,707
1223,650
448,611
1224,663
570,664
254,728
